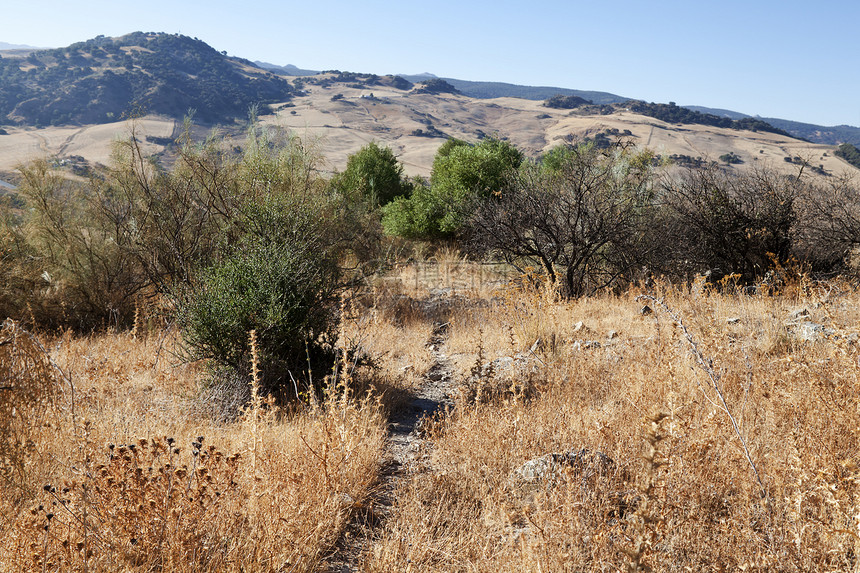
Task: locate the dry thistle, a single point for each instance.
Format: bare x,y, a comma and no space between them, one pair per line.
647,518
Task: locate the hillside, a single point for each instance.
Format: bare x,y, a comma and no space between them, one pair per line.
103,79
69,103
343,111
338,110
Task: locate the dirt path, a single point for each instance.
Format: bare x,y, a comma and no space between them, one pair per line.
434,394
69,140
405,449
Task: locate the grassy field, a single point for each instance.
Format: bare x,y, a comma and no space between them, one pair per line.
708,431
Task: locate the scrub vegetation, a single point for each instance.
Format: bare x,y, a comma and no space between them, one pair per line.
647,368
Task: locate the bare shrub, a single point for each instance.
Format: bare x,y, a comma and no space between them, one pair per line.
737,223
830,225
29,384
580,221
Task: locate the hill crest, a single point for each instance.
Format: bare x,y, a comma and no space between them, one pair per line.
104,79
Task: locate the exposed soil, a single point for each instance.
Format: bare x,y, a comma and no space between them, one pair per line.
405,449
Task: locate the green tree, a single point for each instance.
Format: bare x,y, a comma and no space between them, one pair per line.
374,174
463,174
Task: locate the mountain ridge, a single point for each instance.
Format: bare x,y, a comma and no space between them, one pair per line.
120,90
103,79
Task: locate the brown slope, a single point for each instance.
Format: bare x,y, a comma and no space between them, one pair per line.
403,120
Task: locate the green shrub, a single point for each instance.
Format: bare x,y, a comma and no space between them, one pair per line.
414,217
462,174
281,280
373,174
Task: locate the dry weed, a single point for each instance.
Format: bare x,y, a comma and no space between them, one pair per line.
683,494
133,476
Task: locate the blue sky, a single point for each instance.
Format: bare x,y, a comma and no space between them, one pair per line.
790,59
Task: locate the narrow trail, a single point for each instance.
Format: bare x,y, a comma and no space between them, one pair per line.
435,393
405,449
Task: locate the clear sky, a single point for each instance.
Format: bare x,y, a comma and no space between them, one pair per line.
791,59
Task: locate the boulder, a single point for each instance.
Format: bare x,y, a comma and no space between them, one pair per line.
549,467
812,331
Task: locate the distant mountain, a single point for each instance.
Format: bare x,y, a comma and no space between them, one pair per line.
833,135
102,79
288,70
5,46
488,90
717,111
419,77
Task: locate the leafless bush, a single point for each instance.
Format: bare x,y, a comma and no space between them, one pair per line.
28,386
580,222
830,229
737,223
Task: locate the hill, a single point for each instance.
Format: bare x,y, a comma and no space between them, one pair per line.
343,111
490,90
288,70
102,79
68,103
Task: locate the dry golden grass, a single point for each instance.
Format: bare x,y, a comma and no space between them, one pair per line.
681,494
131,474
